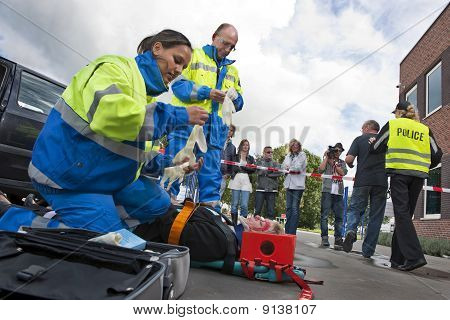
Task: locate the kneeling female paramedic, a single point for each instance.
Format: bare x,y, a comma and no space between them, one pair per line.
87,159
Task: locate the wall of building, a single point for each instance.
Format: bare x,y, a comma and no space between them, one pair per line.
428,49
433,228
433,47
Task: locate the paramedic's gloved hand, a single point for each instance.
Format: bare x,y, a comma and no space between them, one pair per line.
217,95
197,115
193,167
232,94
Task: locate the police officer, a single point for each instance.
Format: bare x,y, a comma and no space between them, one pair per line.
205,82
411,151
87,159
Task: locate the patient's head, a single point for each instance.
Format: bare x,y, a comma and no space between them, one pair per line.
259,224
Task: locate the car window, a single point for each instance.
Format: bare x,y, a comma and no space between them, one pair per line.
37,94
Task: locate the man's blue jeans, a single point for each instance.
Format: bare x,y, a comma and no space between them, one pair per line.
333,202
293,198
269,199
358,205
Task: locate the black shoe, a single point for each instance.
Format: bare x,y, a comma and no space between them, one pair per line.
234,219
394,265
350,238
411,265
325,242
338,244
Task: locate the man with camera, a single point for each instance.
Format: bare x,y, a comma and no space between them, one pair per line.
370,182
332,194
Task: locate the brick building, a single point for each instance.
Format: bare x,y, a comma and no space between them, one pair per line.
425,82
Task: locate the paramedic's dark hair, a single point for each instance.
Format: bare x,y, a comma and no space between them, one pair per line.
168,38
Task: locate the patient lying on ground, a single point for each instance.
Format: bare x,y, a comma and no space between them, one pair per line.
260,224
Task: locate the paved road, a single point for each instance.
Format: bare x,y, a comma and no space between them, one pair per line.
345,276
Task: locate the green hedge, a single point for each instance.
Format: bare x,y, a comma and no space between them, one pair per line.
430,246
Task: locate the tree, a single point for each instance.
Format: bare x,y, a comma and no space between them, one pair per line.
310,208
310,204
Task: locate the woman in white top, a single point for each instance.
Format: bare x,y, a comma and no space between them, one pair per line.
294,184
240,184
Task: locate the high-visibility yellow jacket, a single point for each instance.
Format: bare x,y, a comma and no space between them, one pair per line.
94,138
204,73
410,147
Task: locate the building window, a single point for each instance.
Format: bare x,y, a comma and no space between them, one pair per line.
432,205
411,96
434,89
37,94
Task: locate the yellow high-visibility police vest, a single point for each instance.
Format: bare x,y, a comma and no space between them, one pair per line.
408,146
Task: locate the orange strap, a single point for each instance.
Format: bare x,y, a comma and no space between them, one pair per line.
179,222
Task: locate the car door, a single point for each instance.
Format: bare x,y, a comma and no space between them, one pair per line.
30,100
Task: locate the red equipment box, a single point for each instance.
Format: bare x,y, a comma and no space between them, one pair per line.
277,247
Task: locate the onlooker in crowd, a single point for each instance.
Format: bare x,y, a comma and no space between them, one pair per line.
411,151
267,184
228,153
240,184
294,183
332,195
370,182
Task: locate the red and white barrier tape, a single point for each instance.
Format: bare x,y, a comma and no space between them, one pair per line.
436,189
315,175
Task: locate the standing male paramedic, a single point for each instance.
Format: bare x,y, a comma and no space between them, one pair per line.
204,83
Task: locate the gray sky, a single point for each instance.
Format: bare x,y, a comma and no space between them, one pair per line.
287,49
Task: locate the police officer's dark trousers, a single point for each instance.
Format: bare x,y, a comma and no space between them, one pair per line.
405,244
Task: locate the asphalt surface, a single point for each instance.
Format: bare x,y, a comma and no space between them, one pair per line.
346,276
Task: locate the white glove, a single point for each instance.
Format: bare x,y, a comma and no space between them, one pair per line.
232,94
172,174
197,136
228,109
109,238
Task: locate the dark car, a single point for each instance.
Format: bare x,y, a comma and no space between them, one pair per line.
26,98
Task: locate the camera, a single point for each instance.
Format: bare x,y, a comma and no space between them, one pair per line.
332,152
